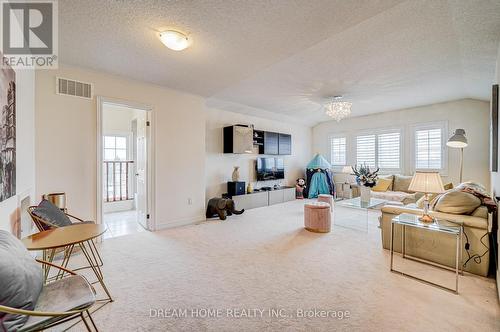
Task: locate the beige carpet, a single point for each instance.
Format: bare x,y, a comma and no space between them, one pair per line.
264,260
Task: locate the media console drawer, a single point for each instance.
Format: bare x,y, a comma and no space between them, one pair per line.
288,194
263,198
250,201
275,197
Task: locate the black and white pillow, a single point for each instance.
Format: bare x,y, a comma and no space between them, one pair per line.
51,214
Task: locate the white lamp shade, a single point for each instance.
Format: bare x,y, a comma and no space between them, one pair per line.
427,182
347,170
458,140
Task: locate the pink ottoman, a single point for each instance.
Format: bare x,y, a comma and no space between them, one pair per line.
327,199
317,217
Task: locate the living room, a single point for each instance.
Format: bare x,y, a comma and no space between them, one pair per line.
312,92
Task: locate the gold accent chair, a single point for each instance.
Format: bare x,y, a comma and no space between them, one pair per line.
48,255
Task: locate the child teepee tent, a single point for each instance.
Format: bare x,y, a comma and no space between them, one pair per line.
319,177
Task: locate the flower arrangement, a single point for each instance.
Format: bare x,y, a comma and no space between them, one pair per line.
364,176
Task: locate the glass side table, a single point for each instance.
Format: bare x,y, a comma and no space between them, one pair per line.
362,207
442,226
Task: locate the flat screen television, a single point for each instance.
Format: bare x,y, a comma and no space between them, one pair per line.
270,169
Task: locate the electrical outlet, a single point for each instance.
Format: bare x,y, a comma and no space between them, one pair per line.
190,201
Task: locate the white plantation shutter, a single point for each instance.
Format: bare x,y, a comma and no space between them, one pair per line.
428,149
389,151
338,151
365,150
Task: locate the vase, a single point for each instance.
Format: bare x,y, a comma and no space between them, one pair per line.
249,188
365,194
236,174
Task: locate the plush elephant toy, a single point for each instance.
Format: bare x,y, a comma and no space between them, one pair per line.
221,207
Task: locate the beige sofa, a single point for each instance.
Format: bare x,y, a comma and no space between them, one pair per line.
397,191
438,247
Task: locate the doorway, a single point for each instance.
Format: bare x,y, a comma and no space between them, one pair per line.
124,172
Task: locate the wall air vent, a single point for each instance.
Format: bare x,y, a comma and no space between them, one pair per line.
73,88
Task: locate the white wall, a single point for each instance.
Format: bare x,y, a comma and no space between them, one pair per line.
472,115
116,120
25,152
66,143
219,166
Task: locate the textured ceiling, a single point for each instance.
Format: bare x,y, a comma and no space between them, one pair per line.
281,59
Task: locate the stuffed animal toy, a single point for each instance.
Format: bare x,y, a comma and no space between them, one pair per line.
299,188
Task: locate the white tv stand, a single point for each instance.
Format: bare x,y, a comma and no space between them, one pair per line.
264,198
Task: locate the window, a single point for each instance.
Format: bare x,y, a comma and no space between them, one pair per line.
388,151
429,148
115,148
379,150
365,150
338,155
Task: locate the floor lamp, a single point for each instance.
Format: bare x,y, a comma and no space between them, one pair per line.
459,141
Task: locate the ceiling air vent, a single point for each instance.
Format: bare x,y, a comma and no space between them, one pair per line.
73,88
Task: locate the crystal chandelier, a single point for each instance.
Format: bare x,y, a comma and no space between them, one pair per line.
338,109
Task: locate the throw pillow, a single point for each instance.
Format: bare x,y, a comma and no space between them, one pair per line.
457,202
390,178
382,185
401,183
432,197
481,212
51,214
21,281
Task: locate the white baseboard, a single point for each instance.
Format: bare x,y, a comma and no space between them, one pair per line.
179,222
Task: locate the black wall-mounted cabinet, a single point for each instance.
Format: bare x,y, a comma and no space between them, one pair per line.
258,139
275,143
236,140
284,144
271,143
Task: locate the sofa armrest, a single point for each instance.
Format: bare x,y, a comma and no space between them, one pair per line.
461,219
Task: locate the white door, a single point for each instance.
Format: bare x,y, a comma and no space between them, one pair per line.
141,171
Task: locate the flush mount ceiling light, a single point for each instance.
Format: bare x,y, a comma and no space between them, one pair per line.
175,40
338,109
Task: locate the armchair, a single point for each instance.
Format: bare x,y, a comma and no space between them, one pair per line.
29,304
75,292
43,224
59,218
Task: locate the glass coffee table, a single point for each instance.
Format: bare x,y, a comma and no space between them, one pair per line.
358,217
441,226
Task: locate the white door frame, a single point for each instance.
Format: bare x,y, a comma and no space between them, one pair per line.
150,162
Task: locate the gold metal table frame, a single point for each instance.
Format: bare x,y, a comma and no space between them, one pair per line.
67,238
